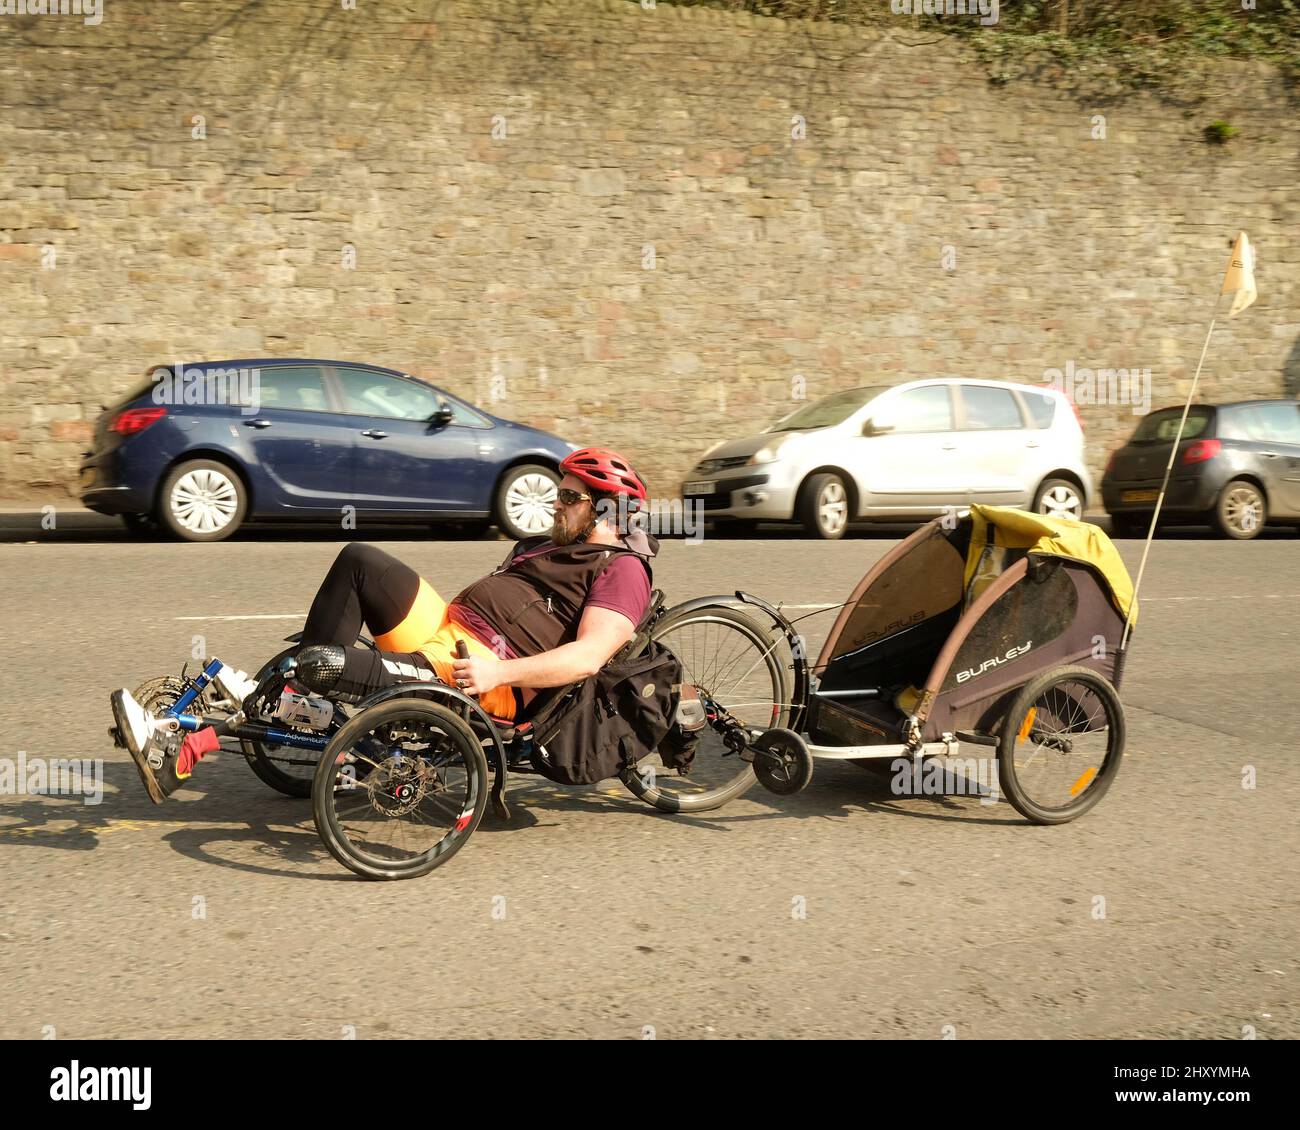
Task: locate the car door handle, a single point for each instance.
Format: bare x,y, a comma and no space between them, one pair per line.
1269,454
950,447
375,433
257,423
1032,443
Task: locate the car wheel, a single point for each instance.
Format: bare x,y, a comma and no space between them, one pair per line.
1240,511
1130,525
1059,498
202,500
824,507
525,501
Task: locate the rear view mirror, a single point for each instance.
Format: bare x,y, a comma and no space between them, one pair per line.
871,428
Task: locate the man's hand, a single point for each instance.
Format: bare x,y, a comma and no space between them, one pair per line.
478,674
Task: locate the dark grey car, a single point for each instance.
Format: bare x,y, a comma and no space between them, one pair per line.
1237,467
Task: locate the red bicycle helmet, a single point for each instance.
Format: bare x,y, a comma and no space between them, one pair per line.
605,470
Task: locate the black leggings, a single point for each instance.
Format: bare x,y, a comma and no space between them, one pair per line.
366,588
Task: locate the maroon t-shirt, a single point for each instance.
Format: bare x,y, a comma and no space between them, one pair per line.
623,586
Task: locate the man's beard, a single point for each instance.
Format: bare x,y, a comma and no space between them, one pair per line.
565,531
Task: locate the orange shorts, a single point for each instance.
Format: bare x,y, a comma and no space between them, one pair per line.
429,630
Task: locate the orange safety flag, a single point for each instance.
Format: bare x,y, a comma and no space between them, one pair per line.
1239,281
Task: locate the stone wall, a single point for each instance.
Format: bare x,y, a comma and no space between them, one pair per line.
643,228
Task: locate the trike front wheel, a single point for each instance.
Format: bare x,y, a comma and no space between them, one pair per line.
287,770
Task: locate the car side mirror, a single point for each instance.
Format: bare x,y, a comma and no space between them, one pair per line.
444,414
871,428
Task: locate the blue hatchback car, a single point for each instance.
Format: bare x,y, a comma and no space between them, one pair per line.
199,449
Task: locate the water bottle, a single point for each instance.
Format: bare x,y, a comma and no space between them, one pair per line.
304,710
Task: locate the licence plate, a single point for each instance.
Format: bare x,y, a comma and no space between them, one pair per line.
699,486
1140,495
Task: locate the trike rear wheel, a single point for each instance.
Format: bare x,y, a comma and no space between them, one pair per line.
399,789
736,663
1061,744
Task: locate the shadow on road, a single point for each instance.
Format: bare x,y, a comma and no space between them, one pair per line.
274,835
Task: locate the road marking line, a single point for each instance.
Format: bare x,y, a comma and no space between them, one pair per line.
837,604
1244,596
266,616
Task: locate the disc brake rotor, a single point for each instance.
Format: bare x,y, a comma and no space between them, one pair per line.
399,784
401,781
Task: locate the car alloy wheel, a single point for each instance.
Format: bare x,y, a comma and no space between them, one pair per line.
530,503
833,507
1241,511
822,507
203,501
1059,499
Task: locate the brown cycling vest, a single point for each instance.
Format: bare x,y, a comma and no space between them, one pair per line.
535,605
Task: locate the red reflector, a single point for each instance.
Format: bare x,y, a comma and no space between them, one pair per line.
136,420
1201,450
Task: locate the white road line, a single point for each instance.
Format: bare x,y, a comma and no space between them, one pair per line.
1245,596
268,616
837,604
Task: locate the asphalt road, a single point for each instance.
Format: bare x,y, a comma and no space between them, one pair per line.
220,915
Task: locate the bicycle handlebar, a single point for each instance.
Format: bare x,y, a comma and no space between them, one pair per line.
462,652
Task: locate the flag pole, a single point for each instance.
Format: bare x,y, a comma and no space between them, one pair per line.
1239,281
1164,485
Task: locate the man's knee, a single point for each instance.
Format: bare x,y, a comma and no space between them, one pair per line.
320,667
357,556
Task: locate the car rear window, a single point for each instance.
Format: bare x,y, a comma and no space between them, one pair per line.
1161,427
1042,408
990,408
292,386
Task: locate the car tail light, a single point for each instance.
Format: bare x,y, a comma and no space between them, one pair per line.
134,420
1202,450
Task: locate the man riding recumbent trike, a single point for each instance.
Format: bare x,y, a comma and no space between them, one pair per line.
556,663
701,701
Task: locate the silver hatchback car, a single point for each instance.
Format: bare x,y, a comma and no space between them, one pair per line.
901,452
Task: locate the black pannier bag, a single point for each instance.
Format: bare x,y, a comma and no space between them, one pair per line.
610,720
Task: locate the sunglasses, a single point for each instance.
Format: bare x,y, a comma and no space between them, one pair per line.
571,497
